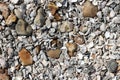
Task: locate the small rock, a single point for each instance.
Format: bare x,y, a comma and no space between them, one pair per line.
25,57
57,17
14,1
71,48
112,13
4,75
89,10
116,20
18,13
107,34
79,39
37,49
83,29
12,18
2,62
54,53
4,9
40,17
53,8
22,28
66,26
112,65
103,27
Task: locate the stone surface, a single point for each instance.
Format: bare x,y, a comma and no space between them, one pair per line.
71,48
4,9
25,57
112,66
11,18
89,10
22,28
54,53
40,17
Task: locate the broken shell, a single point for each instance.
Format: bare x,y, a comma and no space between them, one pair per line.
25,57
89,10
54,53
71,48
4,9
12,18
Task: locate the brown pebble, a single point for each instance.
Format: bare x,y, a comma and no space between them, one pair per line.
79,39
25,57
53,8
37,49
54,53
4,75
12,18
57,17
4,9
71,48
89,10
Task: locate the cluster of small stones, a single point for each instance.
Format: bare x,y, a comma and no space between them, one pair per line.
59,40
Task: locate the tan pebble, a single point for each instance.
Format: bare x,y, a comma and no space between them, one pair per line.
4,9
53,8
37,48
12,18
71,48
89,10
54,53
25,57
4,75
57,17
79,39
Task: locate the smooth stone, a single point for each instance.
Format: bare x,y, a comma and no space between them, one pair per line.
103,27
14,1
112,14
107,34
12,18
40,17
18,13
112,65
22,28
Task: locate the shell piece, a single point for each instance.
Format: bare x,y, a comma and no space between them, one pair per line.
71,48
54,53
4,9
12,18
25,57
89,10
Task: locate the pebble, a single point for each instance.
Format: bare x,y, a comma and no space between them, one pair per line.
54,53
4,75
2,62
89,10
103,27
22,28
71,48
25,57
107,34
52,7
112,66
116,20
4,9
112,14
18,13
40,18
79,39
66,26
12,18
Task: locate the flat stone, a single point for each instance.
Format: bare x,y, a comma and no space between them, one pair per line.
25,57
12,18
54,53
112,66
22,28
18,13
89,10
40,18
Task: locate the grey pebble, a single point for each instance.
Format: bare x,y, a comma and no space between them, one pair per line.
112,65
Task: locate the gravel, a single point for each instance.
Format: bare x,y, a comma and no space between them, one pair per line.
59,40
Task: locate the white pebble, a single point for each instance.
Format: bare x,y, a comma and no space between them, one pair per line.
14,1
112,13
103,27
107,34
